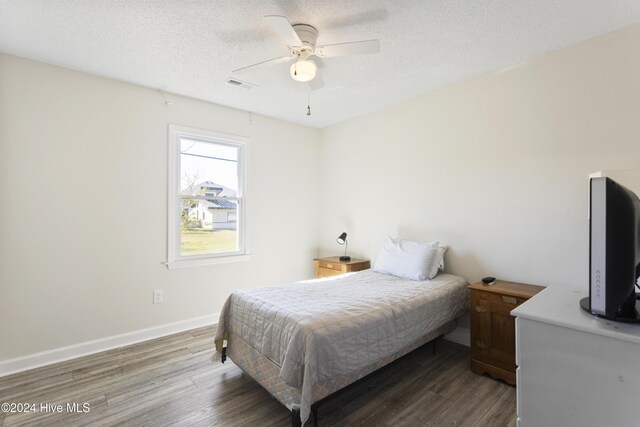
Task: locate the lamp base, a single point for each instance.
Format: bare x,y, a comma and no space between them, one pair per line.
345,258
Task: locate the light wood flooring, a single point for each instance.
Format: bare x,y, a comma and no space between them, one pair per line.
171,381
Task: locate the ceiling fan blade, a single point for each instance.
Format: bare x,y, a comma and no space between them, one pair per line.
284,29
317,83
267,62
350,48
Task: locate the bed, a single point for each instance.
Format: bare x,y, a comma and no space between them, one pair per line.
306,340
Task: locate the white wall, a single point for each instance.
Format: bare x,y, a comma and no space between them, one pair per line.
70,275
495,167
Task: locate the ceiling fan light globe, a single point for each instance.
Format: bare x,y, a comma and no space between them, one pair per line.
303,70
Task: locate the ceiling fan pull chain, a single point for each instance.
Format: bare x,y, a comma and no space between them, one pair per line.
308,103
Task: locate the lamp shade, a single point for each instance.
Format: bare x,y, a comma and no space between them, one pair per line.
303,70
342,238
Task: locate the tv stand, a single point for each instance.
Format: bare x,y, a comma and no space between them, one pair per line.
574,369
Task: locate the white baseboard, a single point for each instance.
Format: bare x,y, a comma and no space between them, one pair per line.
36,360
460,336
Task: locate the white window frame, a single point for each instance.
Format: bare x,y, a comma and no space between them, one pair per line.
174,211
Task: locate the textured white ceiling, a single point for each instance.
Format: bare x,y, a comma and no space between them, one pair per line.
190,47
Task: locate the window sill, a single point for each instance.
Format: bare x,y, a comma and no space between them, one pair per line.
201,262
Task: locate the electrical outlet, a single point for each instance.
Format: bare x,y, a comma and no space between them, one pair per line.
158,297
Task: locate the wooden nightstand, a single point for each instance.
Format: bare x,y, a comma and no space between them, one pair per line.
332,266
493,342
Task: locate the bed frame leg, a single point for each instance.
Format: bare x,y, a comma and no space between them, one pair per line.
435,341
295,418
224,354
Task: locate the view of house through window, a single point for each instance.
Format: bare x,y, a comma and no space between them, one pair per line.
209,197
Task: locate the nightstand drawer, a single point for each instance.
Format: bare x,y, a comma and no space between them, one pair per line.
331,266
507,301
327,272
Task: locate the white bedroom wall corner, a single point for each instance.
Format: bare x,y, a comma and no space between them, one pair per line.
494,167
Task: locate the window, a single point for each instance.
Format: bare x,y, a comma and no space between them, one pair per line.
207,175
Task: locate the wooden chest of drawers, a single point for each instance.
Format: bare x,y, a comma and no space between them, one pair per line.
332,266
493,342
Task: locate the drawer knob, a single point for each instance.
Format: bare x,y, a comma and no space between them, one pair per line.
480,309
329,265
509,300
480,344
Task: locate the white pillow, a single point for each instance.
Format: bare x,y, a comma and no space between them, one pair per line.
438,261
406,259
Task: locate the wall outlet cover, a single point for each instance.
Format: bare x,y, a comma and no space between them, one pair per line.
158,297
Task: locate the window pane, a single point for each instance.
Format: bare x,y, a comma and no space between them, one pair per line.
200,241
208,170
207,161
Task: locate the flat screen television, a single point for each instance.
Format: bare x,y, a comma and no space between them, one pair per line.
614,252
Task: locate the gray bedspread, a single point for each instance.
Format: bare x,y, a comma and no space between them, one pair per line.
319,329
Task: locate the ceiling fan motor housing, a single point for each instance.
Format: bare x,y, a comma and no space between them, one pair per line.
308,35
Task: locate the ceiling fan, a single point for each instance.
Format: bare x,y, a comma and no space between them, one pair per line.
301,41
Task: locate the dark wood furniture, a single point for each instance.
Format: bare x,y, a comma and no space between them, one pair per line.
332,266
493,342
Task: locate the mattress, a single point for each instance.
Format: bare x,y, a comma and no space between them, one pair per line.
326,332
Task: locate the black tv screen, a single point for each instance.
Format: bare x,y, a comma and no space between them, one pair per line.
614,251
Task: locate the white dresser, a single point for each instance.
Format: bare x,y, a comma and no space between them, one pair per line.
573,368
